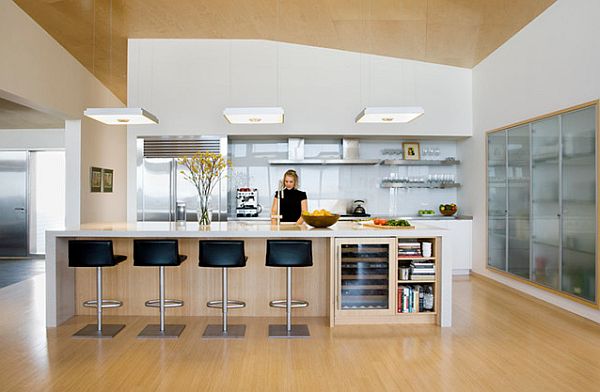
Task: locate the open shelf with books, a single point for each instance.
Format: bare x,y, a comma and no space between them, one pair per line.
417,276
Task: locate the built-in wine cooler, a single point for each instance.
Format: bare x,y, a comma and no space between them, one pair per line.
365,274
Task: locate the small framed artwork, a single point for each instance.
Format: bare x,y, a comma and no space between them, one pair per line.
411,151
107,180
96,179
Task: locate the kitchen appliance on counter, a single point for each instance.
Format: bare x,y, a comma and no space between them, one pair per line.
247,203
358,210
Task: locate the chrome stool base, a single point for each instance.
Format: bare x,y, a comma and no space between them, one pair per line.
215,331
91,331
280,331
152,331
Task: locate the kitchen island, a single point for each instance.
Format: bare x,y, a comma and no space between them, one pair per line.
320,285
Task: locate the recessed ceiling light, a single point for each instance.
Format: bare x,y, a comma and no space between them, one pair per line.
397,114
254,115
121,116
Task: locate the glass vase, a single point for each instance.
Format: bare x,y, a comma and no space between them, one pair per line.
204,210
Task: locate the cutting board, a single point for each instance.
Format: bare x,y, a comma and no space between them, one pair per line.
388,227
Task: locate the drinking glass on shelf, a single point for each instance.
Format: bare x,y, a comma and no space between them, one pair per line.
424,152
436,153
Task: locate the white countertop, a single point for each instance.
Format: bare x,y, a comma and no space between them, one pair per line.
240,230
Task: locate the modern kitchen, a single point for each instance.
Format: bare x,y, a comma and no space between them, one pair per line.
281,196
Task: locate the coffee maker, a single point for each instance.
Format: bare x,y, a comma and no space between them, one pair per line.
247,203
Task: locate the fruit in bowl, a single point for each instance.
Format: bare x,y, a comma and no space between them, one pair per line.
448,209
320,218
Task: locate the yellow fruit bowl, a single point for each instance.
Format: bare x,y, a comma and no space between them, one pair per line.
320,221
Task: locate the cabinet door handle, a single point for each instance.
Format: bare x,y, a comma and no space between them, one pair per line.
19,209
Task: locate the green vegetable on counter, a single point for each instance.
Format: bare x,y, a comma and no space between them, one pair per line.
397,222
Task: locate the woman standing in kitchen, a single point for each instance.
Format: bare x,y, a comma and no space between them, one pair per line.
293,202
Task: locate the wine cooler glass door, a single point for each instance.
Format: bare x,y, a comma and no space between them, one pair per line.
364,275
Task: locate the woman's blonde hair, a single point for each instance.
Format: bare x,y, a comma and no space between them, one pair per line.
291,173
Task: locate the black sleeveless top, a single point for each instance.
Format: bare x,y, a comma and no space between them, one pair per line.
291,204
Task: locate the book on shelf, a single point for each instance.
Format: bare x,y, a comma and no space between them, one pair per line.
409,299
422,277
423,271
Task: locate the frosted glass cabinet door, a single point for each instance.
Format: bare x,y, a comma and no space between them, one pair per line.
579,203
518,175
545,227
497,200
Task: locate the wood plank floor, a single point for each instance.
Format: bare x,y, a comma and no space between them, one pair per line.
500,341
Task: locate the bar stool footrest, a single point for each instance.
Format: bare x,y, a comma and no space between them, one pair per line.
282,303
231,304
169,303
91,331
106,303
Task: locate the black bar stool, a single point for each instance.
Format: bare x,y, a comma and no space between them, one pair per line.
289,254
161,254
98,254
224,255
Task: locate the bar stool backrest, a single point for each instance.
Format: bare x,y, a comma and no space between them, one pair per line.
222,254
156,253
91,253
289,253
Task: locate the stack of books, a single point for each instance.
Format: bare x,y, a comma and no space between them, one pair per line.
409,249
422,270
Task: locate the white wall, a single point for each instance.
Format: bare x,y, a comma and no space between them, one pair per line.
552,64
32,139
188,83
39,73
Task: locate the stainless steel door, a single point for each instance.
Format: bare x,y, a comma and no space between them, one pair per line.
155,201
13,204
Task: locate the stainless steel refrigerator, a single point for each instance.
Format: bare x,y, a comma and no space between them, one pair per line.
13,204
160,185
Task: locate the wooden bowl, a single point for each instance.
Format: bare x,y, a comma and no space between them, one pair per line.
448,212
320,221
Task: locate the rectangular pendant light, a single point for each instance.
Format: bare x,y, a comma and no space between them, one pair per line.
121,116
396,114
255,115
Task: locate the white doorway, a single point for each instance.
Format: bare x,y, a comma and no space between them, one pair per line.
46,197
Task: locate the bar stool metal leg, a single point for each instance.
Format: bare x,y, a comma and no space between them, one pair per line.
288,330
100,330
162,330
226,331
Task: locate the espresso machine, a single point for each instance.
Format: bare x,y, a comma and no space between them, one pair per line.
247,203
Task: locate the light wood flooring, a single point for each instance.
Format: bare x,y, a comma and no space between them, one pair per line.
500,341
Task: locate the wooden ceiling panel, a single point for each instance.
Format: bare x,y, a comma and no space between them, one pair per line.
384,36
453,32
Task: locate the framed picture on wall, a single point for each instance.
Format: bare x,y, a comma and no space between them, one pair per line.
96,179
107,180
411,151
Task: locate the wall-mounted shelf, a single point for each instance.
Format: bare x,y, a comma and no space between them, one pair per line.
421,185
402,162
336,161
366,162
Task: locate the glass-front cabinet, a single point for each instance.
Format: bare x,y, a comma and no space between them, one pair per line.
365,276
542,202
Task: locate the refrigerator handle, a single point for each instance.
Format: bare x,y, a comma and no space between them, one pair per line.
173,190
